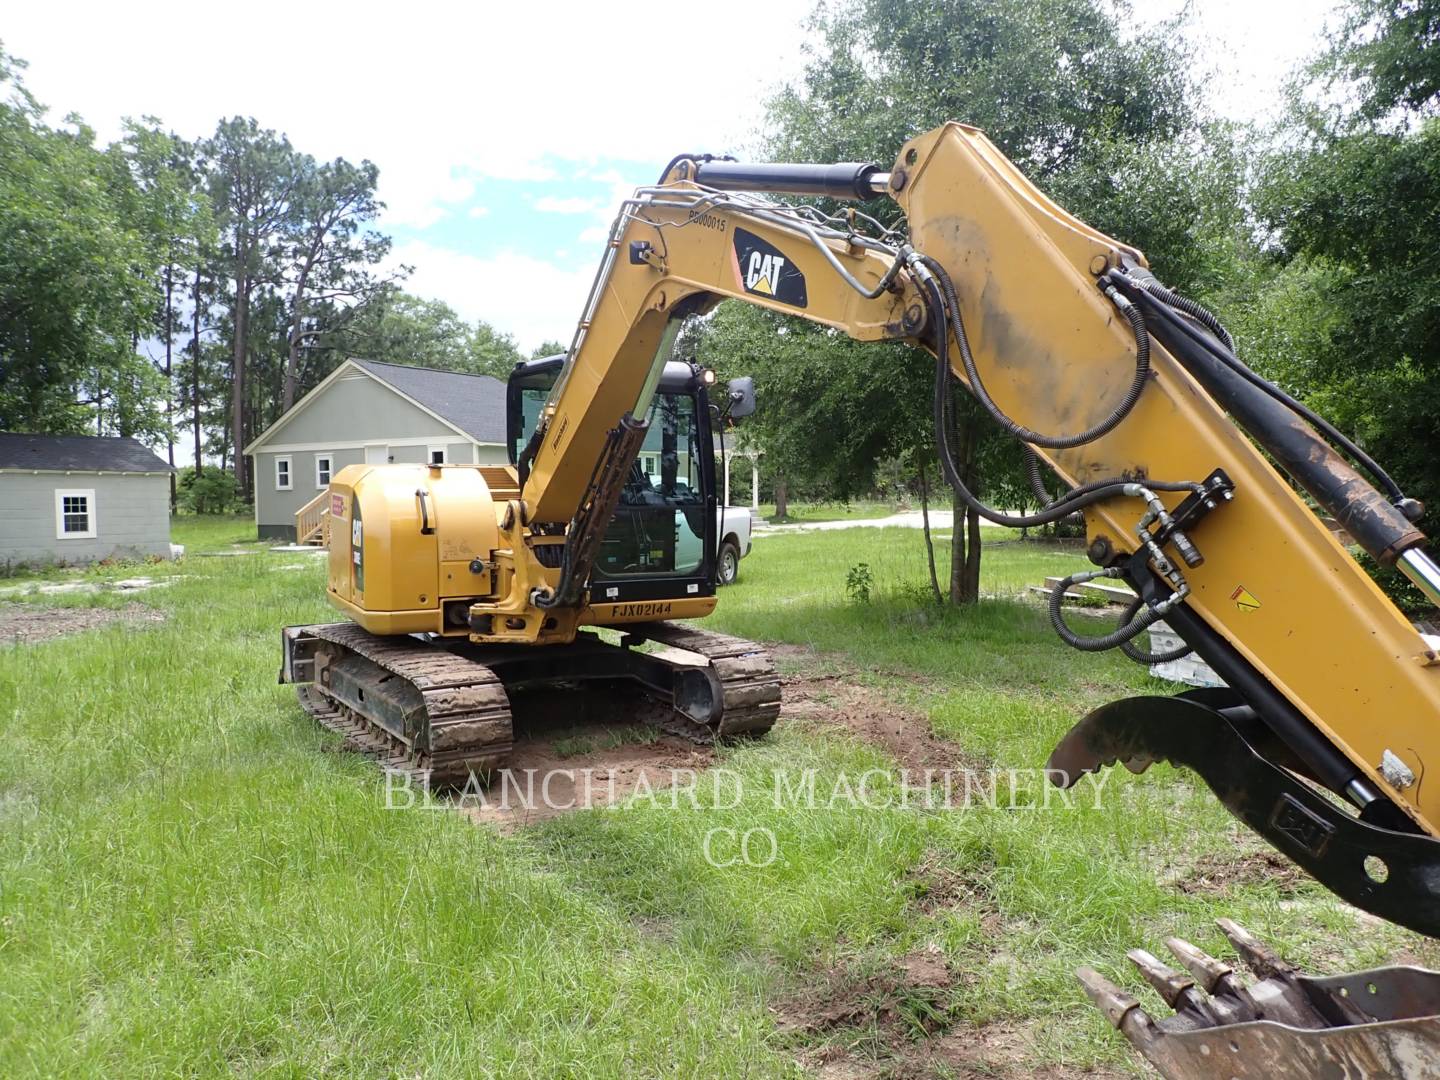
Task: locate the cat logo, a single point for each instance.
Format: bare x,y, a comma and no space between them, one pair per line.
763,270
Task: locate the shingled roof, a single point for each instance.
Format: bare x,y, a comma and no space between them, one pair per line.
473,403
77,453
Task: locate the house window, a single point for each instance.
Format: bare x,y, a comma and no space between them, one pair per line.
437,455
650,463
282,474
322,470
75,515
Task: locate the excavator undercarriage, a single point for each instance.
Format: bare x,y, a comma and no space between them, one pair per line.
440,709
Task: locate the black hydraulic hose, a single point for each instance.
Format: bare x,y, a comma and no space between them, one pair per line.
1032,472
1197,311
1035,438
1070,502
1145,656
1226,355
1119,636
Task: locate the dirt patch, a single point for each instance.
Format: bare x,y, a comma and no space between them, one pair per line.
825,700
898,1023
940,886
27,624
904,999
588,750
575,751
543,781
1219,873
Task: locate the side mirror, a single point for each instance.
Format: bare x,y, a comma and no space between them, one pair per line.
741,397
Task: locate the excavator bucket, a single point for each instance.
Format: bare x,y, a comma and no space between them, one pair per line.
1368,1025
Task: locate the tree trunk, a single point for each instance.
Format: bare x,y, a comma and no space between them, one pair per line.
782,497
929,540
195,372
169,379
957,549
292,356
965,528
237,375
972,557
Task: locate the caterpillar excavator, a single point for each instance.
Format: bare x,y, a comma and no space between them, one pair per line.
1200,483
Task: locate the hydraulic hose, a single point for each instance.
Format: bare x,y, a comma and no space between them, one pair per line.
1226,355
1035,438
1032,473
1197,311
1145,656
1067,504
1119,636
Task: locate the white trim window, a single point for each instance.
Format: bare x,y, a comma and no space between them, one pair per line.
284,476
323,463
75,513
435,455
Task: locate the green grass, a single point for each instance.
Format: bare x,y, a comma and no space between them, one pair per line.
193,885
810,513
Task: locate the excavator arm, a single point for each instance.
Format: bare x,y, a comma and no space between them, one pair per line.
1199,483
1133,397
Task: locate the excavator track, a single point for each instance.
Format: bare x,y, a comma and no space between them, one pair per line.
430,713
440,712
750,687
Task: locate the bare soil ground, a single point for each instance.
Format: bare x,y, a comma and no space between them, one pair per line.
28,624
566,761
898,1023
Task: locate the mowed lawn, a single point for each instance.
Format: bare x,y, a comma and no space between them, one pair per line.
193,885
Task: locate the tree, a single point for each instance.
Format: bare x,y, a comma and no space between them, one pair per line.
173,214
75,278
253,178
328,256
547,348
1094,113
1348,314
492,352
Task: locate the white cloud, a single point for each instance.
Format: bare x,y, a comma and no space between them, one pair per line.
595,234
440,96
479,212
574,204
533,299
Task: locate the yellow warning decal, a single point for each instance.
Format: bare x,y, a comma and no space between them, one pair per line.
1244,599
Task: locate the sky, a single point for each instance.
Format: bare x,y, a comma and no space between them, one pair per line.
506,134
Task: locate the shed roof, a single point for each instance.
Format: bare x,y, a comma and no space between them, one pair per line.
77,453
473,403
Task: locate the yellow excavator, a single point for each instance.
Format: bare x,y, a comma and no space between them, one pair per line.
1201,484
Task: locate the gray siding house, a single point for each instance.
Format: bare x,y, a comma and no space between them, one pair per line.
79,498
366,411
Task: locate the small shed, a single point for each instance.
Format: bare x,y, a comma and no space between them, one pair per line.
371,413
79,498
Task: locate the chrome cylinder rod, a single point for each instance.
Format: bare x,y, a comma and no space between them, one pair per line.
1416,565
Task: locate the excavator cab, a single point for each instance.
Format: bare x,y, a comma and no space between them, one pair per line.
662,539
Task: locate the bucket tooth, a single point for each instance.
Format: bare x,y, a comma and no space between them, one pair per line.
1208,971
1258,957
1115,1003
1170,984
